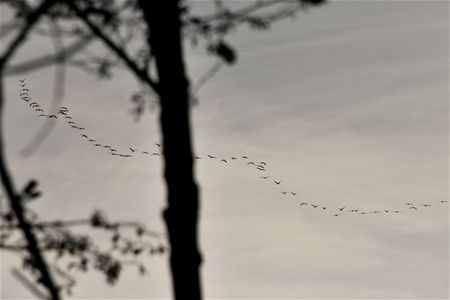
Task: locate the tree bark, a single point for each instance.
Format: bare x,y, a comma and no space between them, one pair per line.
181,214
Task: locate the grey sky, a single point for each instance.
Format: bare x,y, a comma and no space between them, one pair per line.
348,105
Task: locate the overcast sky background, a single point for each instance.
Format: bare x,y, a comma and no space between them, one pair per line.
347,104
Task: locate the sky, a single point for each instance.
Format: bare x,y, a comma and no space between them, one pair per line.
348,106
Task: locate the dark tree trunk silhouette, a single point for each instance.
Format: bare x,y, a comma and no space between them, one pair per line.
181,214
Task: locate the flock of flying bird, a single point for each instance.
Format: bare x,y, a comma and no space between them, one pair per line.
260,166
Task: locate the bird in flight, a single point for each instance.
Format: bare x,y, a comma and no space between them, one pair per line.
341,208
277,182
157,144
154,153
323,207
396,211
68,117
315,206
85,136
27,90
376,212
92,140
335,215
224,160
363,213
443,201
409,203
106,146
145,152
52,116
303,203
413,207
426,205
264,177
233,158
244,157
198,157
39,109
210,156
262,163
98,145
113,150
284,193
133,150
22,80
250,163
22,94
292,193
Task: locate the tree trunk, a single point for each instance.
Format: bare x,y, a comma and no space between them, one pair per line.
181,214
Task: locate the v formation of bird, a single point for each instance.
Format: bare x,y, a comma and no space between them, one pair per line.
259,166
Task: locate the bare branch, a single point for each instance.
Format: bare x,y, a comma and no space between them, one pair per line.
140,73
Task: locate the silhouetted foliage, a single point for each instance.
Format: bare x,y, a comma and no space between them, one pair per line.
134,32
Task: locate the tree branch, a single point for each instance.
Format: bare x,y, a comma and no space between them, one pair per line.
140,73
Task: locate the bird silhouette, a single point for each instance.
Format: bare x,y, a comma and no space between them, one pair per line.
68,117
233,158
113,150
426,205
224,160
157,144
341,208
98,145
335,215
250,163
363,213
133,150
106,146
397,211
292,193
52,116
210,156
24,94
443,201
85,136
145,152
91,140
323,207
262,163
284,193
244,157
71,122
315,206
39,109
413,207
22,80
303,203
154,153
197,157
277,182
409,203
264,177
